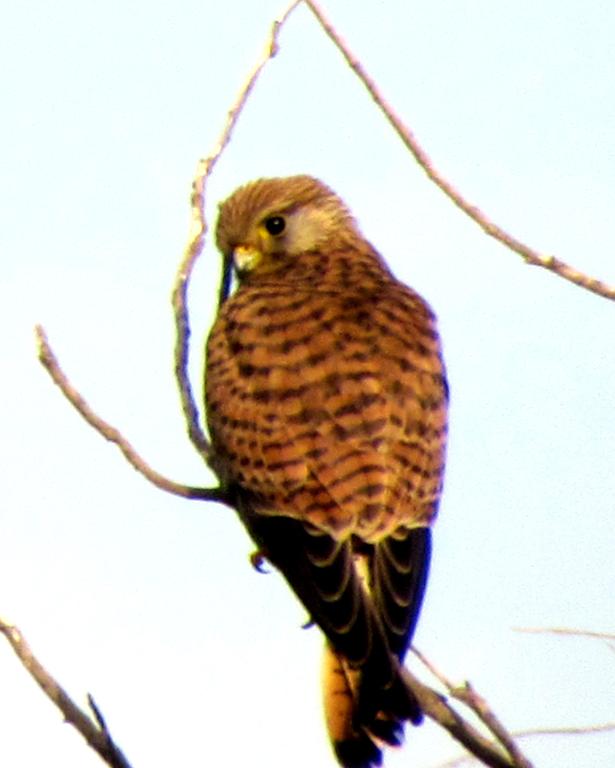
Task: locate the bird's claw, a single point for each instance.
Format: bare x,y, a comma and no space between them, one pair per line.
257,560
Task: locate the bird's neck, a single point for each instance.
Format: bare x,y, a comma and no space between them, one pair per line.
345,268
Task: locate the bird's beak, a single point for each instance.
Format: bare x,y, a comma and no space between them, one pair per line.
246,258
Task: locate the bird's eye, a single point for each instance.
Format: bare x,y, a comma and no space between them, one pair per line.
275,225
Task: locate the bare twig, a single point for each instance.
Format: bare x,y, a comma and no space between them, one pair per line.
607,637
428,664
582,730
573,730
99,737
530,255
109,432
566,631
196,242
455,762
477,704
468,695
436,707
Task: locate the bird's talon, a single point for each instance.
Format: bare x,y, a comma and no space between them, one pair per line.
257,560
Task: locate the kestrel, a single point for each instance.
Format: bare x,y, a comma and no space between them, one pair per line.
326,401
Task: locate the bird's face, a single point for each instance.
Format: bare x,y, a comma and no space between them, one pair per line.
268,223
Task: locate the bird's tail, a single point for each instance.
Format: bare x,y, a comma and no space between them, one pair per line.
365,708
361,720
366,699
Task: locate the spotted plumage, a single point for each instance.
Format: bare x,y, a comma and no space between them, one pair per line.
326,401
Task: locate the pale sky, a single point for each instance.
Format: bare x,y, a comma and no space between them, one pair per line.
148,601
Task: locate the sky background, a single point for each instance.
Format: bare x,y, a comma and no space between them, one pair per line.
148,601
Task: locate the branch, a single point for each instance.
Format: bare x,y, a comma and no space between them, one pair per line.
196,242
573,730
436,707
582,730
565,631
503,740
530,256
192,251
607,637
113,435
478,705
96,733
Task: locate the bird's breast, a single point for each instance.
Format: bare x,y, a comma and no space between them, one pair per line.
330,405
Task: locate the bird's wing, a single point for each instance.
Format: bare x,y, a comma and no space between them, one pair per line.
321,571
400,566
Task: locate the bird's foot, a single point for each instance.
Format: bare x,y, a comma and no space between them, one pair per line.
257,560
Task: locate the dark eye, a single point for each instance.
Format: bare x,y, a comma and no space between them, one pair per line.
275,225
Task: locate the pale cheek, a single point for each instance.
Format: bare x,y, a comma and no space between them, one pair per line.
305,232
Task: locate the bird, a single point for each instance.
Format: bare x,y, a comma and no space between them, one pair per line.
326,399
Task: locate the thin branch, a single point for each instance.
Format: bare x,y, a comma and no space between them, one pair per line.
98,738
196,242
469,696
573,730
582,730
566,631
605,636
530,256
455,762
436,707
477,704
113,435
429,665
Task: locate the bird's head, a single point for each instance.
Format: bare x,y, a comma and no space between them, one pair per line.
268,223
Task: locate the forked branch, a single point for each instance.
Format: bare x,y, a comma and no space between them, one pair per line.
95,732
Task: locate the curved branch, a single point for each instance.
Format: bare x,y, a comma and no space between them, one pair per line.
196,242
112,434
530,255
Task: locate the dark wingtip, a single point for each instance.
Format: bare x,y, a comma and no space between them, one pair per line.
360,752
389,731
397,701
